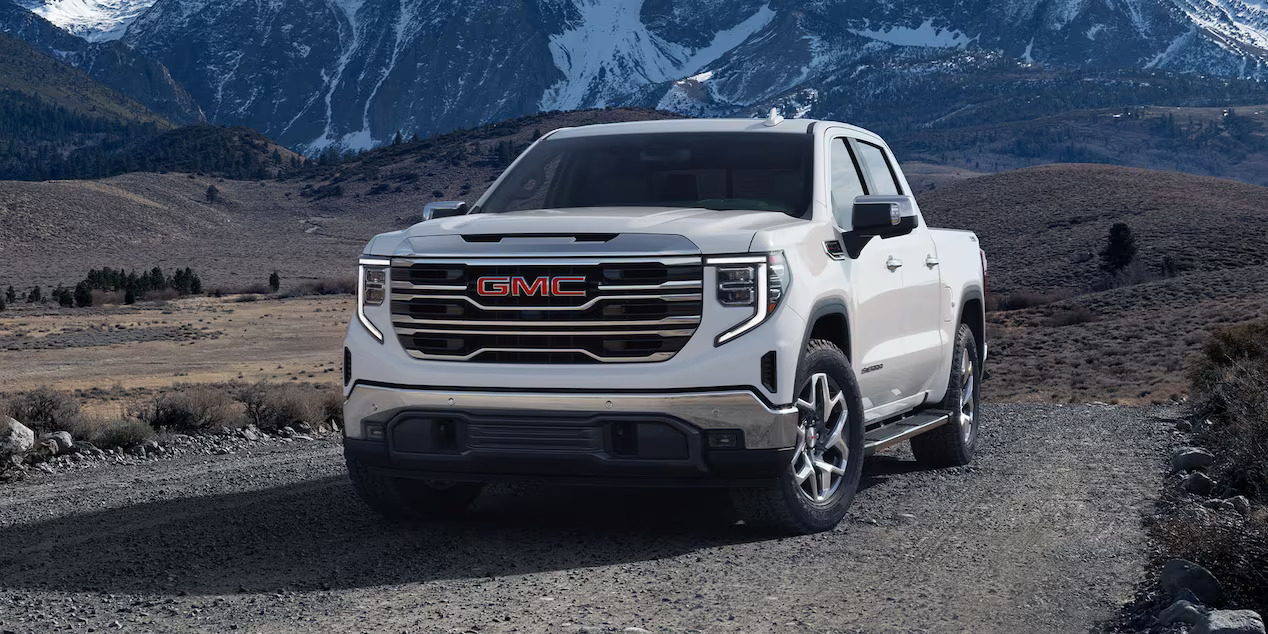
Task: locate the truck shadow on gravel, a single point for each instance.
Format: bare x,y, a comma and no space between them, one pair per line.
316,535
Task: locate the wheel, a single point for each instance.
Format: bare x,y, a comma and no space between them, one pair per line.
399,498
815,491
952,444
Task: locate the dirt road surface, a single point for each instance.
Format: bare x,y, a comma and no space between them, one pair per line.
1042,534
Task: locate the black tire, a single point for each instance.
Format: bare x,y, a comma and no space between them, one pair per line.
399,498
785,507
952,445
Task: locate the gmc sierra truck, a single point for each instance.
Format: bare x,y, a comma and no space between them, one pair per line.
751,304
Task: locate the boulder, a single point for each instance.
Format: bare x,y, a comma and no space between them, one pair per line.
1190,458
1198,483
86,448
45,449
15,437
1221,505
1181,612
1179,575
63,439
1240,504
1231,622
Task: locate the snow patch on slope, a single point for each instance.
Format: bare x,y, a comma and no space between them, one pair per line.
608,51
349,41
1235,25
93,20
926,35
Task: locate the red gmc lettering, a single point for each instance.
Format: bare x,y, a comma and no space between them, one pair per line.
520,286
496,286
557,286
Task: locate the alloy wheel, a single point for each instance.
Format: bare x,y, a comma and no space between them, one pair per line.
819,461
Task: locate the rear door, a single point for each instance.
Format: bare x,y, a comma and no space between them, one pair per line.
878,329
921,296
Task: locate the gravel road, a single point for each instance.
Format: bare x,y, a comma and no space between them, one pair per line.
1042,534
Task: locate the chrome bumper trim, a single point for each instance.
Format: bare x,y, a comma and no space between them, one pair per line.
763,427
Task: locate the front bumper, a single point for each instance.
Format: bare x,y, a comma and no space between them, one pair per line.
663,438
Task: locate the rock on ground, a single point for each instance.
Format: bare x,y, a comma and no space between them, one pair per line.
63,440
1190,458
1231,622
14,437
1180,574
1181,612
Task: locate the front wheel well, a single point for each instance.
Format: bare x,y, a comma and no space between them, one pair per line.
833,328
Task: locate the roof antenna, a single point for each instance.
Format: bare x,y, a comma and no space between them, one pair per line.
773,119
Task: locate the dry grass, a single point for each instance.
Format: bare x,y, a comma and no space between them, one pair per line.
1230,385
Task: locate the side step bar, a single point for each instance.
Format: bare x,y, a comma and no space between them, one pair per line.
893,433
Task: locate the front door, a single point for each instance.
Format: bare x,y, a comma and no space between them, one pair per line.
877,335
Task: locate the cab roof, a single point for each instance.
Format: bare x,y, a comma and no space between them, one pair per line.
785,126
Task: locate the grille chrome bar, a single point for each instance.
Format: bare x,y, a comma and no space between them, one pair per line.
693,297
529,333
659,356
398,320
674,284
668,261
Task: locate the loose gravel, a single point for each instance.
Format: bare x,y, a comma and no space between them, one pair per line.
1041,534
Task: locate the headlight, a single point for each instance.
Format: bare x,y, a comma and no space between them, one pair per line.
759,281
371,290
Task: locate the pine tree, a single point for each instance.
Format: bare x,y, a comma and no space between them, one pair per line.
83,295
213,194
34,296
2,306
1120,250
275,281
11,295
195,285
129,296
398,139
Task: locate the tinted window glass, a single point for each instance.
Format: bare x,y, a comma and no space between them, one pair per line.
724,171
872,160
846,185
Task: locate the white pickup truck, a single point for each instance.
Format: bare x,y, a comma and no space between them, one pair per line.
752,304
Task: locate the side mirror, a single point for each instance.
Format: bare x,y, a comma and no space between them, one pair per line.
879,217
884,216
444,209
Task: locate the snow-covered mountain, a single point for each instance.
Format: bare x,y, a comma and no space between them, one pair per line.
351,73
93,20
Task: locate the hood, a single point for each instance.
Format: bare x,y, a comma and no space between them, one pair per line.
710,232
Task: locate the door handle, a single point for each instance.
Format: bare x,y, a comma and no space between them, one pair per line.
893,263
931,261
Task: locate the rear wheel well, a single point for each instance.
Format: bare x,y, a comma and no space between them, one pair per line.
974,316
833,328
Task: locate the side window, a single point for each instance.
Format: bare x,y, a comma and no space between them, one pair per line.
846,183
879,173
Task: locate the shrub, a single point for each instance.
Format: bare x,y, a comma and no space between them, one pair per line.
275,281
271,406
331,404
191,408
243,299
346,285
1072,317
125,432
45,410
1023,299
1228,388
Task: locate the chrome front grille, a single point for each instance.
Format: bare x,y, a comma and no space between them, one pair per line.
616,310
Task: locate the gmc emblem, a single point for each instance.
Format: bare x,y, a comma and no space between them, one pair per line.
544,286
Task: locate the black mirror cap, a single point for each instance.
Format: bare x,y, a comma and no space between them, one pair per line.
881,219
444,209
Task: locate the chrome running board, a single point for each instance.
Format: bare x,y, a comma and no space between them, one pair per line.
886,436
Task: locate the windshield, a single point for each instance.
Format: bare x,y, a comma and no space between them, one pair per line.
726,170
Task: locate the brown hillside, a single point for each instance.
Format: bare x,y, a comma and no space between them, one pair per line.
54,232
1042,226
